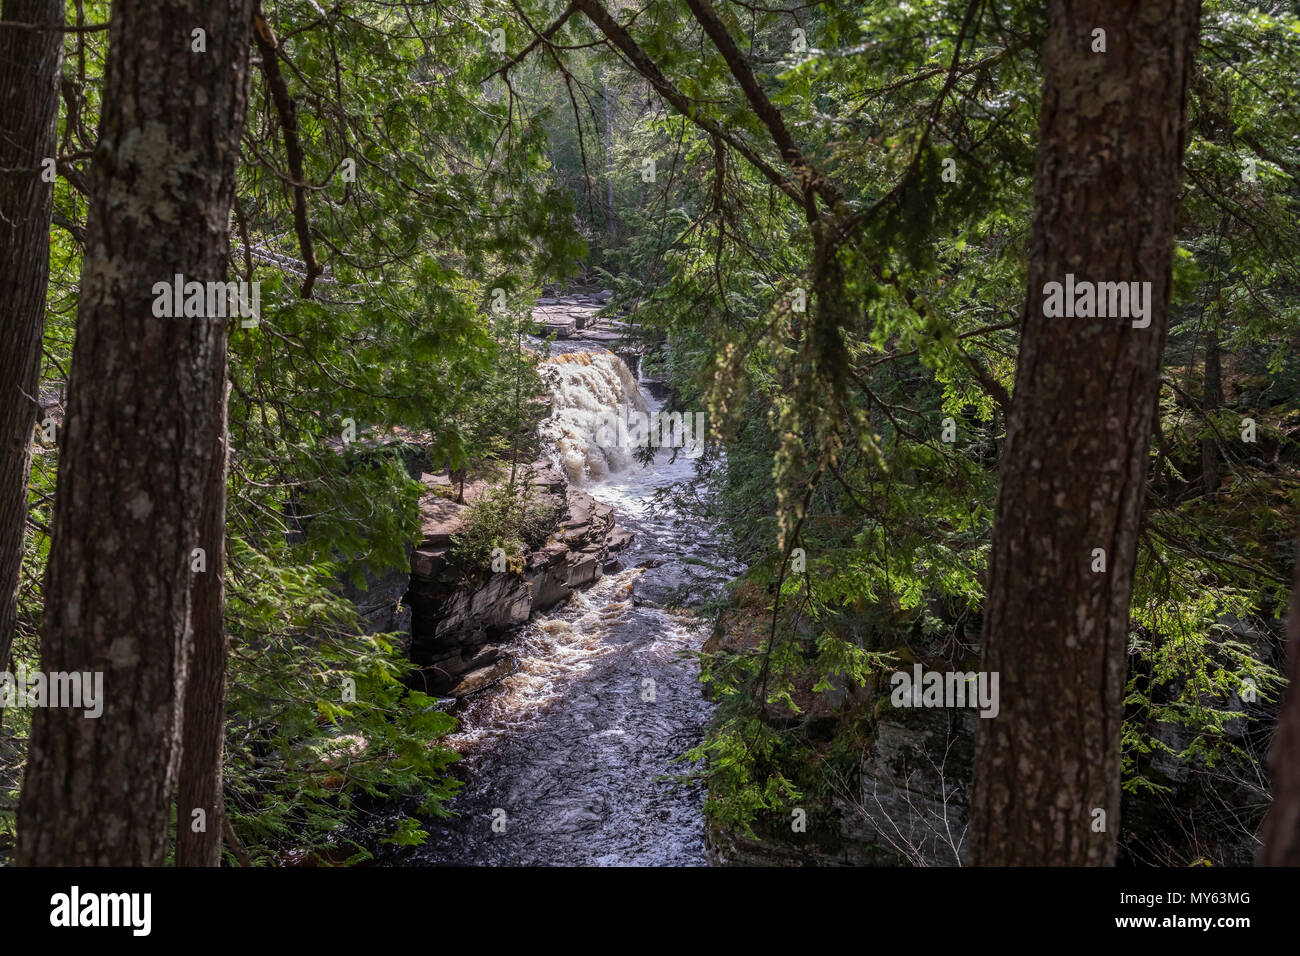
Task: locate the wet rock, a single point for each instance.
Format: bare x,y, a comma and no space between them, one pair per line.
470,659
603,337
454,620
546,477
484,677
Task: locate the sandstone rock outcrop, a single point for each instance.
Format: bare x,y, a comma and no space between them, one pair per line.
457,623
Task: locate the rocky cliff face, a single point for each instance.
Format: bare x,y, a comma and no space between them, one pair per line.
457,626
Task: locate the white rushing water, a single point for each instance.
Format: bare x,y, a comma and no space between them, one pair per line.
586,388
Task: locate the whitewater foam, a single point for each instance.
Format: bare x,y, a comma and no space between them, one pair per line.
586,388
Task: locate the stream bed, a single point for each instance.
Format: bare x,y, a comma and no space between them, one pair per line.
565,760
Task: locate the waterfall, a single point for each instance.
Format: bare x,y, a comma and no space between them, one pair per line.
586,388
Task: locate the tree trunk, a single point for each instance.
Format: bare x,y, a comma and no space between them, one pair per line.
1281,834
1111,135
198,836
606,94
138,445
29,111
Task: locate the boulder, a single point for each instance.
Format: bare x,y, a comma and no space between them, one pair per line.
484,677
546,477
429,562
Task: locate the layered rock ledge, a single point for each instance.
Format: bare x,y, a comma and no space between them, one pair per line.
459,625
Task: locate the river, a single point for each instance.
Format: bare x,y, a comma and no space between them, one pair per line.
565,761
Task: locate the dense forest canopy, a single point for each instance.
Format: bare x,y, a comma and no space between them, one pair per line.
992,310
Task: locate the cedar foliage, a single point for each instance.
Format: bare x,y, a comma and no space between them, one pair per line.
478,169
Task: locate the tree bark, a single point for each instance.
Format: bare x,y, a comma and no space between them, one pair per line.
138,449
1111,134
1281,833
30,61
606,94
198,837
